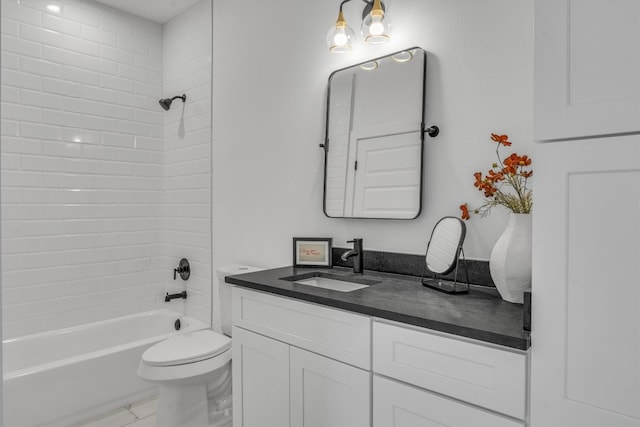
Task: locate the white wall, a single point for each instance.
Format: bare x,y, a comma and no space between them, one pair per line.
186,45
270,71
102,191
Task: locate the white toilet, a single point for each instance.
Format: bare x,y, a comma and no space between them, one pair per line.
193,370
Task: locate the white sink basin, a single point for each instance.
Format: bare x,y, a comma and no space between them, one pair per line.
334,282
336,285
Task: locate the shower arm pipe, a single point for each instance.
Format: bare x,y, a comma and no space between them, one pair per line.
183,97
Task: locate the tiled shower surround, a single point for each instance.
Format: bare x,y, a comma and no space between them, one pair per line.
102,191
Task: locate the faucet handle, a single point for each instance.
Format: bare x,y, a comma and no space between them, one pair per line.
184,270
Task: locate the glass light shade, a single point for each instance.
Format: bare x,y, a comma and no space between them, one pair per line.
340,36
376,28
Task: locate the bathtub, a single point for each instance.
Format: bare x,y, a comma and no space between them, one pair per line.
60,377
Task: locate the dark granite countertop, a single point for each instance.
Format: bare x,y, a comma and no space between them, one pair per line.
481,314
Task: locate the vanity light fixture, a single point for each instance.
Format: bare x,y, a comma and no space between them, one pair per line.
375,28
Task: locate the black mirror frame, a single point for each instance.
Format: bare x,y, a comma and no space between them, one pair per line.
432,131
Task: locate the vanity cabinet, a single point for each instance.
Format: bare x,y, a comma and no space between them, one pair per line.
299,364
422,377
585,332
586,68
585,356
302,364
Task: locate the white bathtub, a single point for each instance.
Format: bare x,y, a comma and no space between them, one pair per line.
60,377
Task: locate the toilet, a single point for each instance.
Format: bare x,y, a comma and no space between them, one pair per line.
193,370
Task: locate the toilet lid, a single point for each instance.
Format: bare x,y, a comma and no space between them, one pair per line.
187,348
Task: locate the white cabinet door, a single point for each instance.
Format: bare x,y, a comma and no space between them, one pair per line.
587,68
328,393
585,351
260,380
400,405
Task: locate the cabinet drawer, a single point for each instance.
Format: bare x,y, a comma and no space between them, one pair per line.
397,404
475,373
333,333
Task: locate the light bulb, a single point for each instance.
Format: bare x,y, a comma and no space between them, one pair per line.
340,38
377,27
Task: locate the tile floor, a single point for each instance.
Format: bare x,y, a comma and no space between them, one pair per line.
140,414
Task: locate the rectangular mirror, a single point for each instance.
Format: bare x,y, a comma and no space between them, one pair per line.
374,138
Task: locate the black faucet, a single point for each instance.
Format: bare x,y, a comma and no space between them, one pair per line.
356,253
169,296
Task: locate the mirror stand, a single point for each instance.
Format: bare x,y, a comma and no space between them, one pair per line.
444,252
448,286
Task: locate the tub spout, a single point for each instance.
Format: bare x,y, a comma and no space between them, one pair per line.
169,296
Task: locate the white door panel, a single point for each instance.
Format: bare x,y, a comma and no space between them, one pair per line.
387,178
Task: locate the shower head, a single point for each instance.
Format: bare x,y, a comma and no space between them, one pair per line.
166,102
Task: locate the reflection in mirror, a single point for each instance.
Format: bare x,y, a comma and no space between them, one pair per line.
443,255
373,143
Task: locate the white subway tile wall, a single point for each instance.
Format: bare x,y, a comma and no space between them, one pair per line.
102,191
187,134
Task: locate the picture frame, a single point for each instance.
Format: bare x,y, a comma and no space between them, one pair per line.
312,252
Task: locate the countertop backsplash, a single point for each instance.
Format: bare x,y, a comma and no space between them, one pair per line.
413,265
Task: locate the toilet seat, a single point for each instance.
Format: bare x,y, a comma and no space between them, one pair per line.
186,348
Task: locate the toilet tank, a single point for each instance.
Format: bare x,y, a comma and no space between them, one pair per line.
224,292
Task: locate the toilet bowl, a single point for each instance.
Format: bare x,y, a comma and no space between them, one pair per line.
193,370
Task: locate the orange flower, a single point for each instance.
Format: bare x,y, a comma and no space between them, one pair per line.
465,212
489,189
526,174
485,184
501,139
524,161
509,170
495,176
512,160
515,160
478,182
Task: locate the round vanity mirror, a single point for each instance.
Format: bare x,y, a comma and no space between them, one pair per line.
444,245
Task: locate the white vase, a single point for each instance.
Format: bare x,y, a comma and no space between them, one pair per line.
510,261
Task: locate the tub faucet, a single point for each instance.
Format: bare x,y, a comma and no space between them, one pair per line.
169,296
356,253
